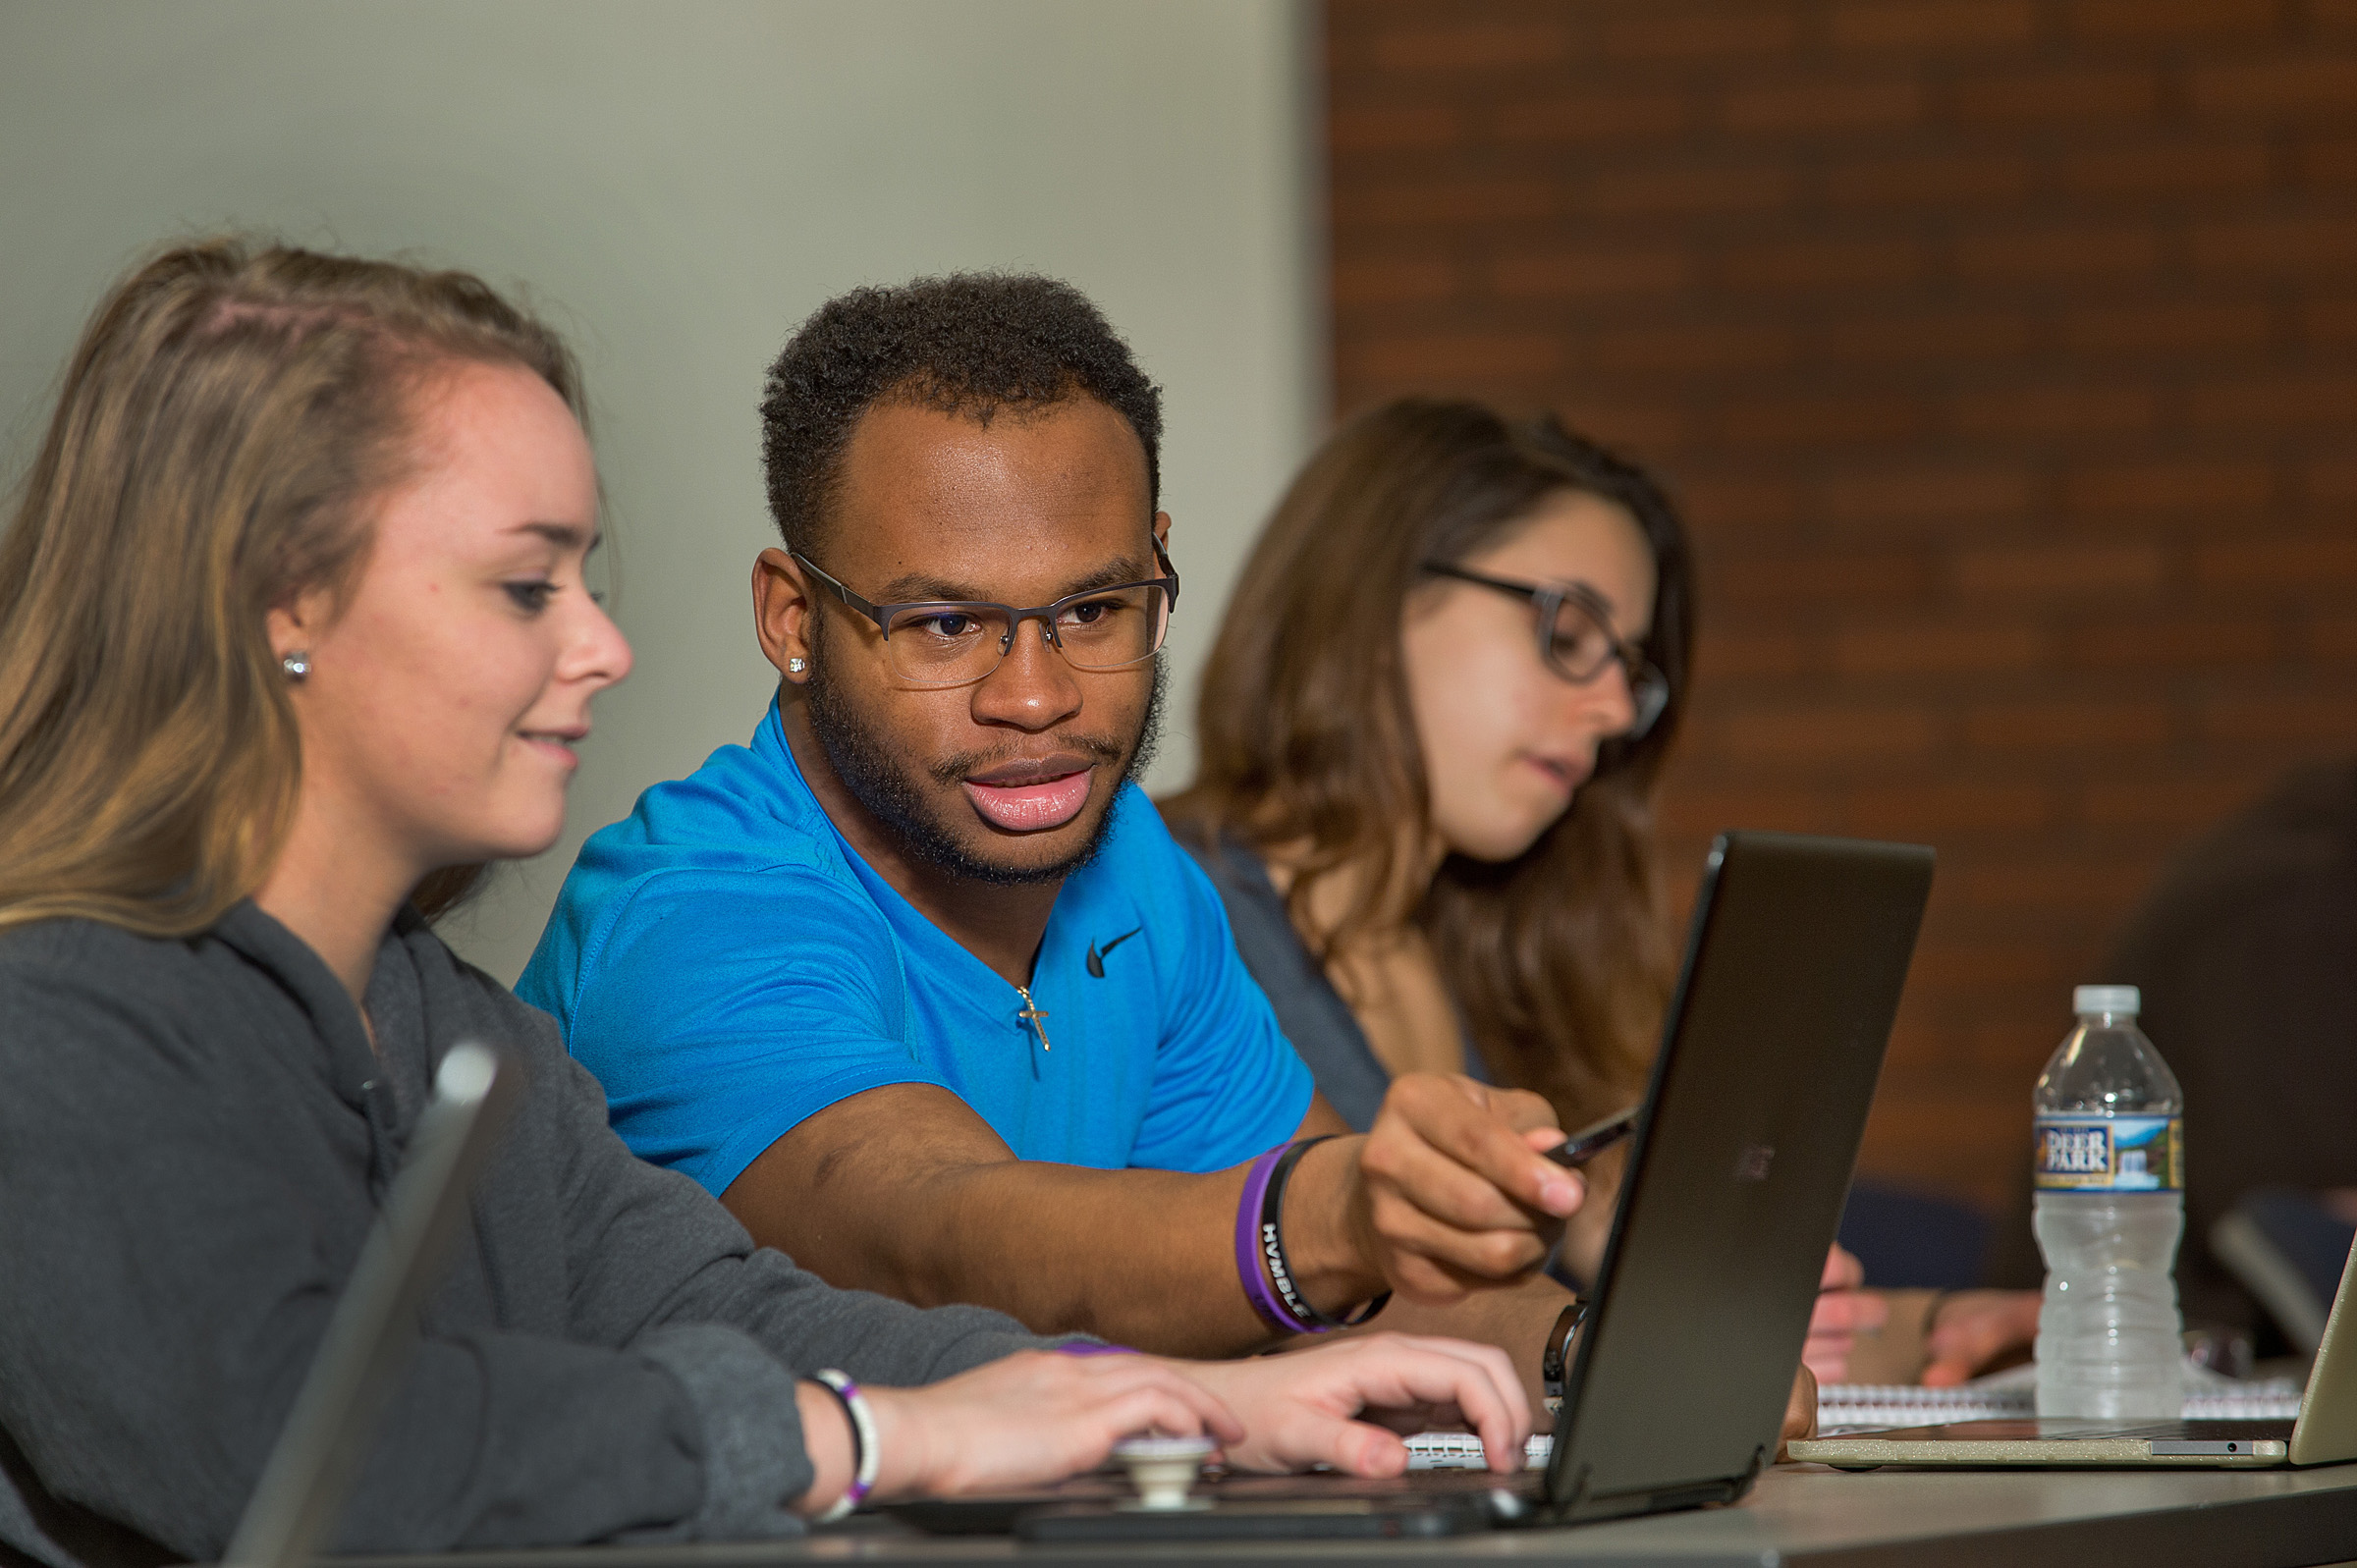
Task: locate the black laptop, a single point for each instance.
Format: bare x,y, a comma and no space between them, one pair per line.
1742,1155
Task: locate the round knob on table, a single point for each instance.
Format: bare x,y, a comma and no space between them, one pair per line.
1163,1469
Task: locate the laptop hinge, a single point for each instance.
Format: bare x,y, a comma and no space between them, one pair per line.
1702,1494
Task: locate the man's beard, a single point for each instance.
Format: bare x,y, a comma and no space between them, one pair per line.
888,788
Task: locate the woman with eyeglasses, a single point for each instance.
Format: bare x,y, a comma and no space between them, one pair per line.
1430,733
1429,729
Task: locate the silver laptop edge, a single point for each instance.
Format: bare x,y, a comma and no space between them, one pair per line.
318,1452
2326,1430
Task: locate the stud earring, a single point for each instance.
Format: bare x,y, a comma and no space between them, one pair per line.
794,667
297,665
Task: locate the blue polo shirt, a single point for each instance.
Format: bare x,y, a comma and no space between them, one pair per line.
726,964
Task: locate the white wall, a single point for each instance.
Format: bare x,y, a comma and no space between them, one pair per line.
678,184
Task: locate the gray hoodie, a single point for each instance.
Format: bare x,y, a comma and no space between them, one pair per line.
195,1137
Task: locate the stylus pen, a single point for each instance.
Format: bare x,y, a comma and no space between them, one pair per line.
1591,1141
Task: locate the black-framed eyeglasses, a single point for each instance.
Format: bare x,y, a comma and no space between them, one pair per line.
955,642
1576,641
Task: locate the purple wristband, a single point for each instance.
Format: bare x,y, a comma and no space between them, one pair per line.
1248,1244
1087,1349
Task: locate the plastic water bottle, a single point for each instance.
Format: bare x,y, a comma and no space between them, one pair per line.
2110,1208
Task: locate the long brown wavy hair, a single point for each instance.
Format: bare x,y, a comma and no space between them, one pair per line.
1559,960
225,421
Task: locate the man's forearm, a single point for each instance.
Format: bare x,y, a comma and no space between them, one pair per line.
908,1201
903,1191
1142,1258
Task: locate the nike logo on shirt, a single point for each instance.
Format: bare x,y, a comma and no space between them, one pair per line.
1096,960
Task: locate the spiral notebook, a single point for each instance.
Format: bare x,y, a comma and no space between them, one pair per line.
2013,1395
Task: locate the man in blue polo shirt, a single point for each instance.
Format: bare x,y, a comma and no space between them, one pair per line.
737,966
917,981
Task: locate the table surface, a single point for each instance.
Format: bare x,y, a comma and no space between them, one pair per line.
1797,1514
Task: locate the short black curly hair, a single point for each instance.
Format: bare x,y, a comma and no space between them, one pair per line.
968,344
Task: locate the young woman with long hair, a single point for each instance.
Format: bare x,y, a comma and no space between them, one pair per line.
293,632
1430,734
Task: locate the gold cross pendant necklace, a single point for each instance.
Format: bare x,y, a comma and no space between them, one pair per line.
1033,1016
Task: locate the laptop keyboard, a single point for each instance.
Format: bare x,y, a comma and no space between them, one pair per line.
1461,1450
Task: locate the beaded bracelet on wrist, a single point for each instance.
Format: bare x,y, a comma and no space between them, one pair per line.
865,1454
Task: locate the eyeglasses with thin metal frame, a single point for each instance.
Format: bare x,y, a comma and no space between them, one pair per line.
1576,638
955,642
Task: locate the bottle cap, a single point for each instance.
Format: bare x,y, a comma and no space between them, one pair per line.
2107,998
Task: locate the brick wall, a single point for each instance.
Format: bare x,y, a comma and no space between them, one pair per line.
2001,353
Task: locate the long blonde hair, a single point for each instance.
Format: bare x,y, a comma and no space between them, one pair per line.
1561,960
225,421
